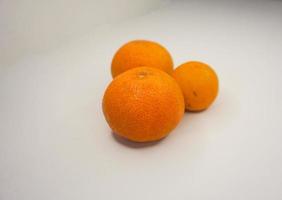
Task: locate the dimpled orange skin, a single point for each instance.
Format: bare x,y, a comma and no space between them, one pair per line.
199,84
139,53
143,104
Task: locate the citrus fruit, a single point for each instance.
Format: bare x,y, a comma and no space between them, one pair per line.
143,104
140,53
199,84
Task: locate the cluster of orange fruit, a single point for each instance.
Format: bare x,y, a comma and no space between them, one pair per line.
147,98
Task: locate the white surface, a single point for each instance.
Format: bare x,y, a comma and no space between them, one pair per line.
55,143
28,26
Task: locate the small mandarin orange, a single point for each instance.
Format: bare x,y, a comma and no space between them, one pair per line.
199,84
143,104
139,53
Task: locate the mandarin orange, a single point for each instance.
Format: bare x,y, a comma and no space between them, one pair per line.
143,104
140,53
199,84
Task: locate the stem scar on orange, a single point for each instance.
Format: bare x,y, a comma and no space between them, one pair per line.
199,84
140,53
143,104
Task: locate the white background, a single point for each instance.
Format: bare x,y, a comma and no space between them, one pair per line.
55,143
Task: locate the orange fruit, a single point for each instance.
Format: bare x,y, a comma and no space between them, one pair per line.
199,84
143,104
140,53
